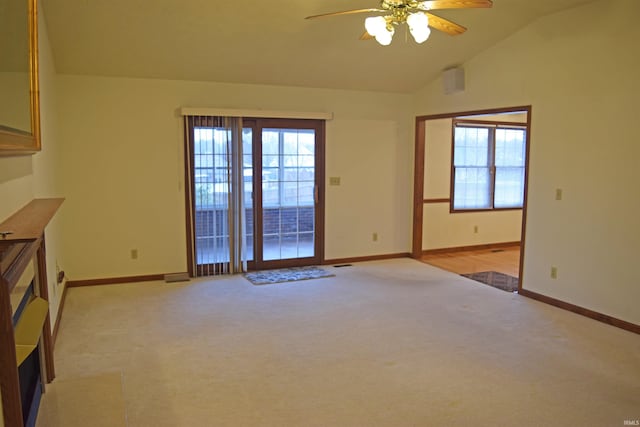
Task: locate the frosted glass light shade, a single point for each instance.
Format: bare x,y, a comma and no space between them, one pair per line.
375,25
384,38
419,26
420,35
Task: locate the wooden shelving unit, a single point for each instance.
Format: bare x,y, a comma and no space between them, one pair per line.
21,243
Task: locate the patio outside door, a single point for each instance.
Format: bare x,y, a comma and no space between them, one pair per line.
288,173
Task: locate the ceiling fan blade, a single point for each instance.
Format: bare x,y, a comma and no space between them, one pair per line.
445,25
346,12
366,36
454,4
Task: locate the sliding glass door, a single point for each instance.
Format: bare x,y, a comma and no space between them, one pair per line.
278,167
289,170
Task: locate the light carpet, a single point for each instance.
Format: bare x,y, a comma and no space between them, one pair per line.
387,343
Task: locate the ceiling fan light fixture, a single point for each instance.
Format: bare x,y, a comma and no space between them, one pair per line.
385,36
419,26
375,25
414,13
420,35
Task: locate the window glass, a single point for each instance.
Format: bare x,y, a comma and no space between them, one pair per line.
479,150
472,188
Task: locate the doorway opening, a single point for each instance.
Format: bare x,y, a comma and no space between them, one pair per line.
470,190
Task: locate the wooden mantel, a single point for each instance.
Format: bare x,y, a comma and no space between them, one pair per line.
27,225
21,243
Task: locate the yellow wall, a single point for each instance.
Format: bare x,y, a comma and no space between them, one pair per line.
15,114
24,177
124,174
578,70
113,147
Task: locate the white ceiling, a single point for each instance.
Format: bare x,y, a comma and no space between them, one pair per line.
267,42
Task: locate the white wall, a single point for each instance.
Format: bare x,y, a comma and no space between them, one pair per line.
124,174
442,229
578,69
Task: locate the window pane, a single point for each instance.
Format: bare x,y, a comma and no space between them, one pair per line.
307,161
290,160
203,140
510,147
305,193
220,160
270,142
306,174
220,138
221,175
270,161
270,194
471,147
270,174
305,245
247,141
290,143
471,188
306,142
289,193
248,186
509,191
306,219
290,174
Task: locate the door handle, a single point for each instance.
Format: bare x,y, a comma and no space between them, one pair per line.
316,195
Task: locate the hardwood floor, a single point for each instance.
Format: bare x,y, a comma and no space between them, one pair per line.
505,260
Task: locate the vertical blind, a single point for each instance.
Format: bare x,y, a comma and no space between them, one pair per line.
215,195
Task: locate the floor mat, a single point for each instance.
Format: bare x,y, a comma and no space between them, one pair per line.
495,279
266,277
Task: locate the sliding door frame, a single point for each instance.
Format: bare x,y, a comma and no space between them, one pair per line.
257,124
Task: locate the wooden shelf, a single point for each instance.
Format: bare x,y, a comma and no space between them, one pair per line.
24,245
27,225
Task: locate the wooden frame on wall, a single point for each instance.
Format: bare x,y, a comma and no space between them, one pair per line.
25,141
418,178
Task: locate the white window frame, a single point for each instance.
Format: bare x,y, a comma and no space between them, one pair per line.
491,126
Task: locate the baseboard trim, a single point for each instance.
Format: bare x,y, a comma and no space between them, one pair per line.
366,258
115,280
622,324
500,245
56,327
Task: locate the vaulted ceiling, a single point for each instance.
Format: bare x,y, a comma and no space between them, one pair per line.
268,42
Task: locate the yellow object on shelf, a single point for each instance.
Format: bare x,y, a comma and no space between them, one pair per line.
29,328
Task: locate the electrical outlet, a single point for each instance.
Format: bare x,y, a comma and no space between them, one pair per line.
375,237
134,254
554,272
334,180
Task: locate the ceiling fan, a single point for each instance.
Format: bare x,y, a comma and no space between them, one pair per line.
416,14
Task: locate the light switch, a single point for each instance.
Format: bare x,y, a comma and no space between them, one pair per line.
558,193
334,180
